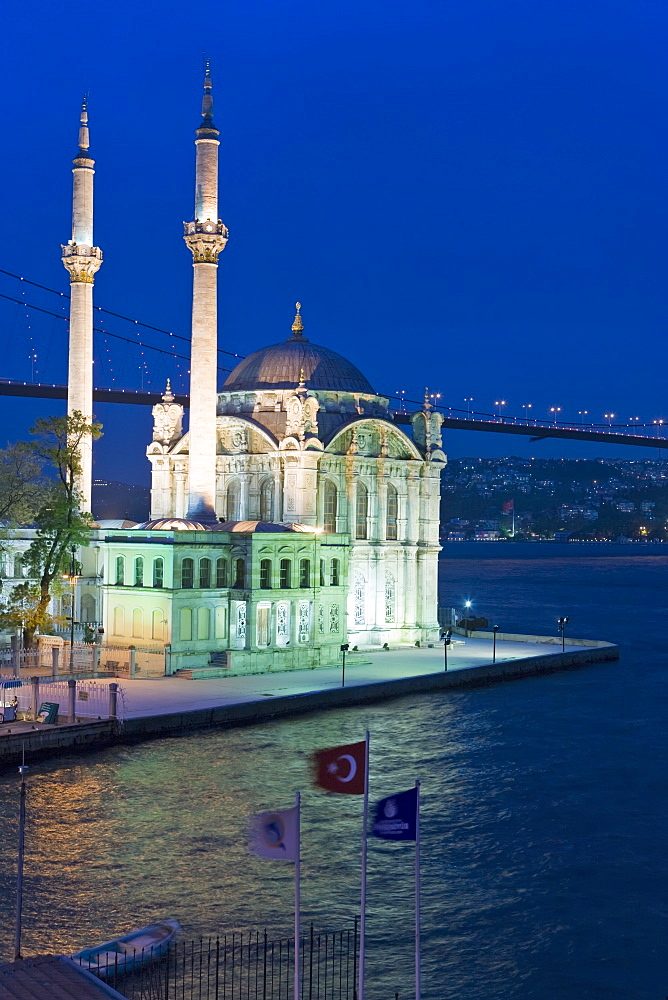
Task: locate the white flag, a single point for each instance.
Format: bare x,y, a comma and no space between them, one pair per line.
274,834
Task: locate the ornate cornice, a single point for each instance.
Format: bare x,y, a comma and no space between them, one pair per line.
205,240
81,262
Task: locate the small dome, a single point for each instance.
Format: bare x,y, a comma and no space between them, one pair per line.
114,523
169,524
281,366
268,526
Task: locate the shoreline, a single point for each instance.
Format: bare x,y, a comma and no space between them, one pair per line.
249,704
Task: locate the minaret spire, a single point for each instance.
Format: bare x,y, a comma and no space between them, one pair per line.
205,238
82,260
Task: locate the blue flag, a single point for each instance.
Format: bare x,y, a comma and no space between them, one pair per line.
396,817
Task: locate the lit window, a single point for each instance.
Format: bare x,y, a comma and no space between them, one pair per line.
139,572
204,573
305,573
361,509
187,574
265,574
329,507
392,514
285,574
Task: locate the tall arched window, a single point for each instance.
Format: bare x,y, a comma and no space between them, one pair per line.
157,625
239,574
390,594
267,500
392,513
304,572
323,566
137,624
285,574
187,574
329,506
205,573
158,572
234,501
360,598
18,566
119,621
139,571
120,573
361,510
221,572
265,574
335,573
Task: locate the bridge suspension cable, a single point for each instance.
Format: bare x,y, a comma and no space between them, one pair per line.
108,312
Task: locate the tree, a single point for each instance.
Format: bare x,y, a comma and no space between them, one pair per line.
22,483
61,523
23,610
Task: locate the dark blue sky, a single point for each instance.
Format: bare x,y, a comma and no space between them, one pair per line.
469,195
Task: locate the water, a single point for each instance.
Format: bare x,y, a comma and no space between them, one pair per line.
545,813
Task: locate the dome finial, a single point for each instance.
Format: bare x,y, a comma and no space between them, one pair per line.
297,326
427,405
168,395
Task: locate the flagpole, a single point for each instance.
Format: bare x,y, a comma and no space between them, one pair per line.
297,894
365,824
418,975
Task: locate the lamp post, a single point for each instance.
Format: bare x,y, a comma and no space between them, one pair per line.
467,605
73,581
469,400
500,403
495,629
561,622
446,640
344,649
525,407
609,417
555,411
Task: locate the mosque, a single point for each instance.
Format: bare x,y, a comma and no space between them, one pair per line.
291,517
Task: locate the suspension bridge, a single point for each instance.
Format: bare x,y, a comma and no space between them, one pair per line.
33,327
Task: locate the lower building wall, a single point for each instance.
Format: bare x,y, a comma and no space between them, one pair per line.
238,662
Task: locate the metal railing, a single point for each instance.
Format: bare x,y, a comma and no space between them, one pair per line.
240,965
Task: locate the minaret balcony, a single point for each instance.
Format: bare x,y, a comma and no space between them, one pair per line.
213,228
81,250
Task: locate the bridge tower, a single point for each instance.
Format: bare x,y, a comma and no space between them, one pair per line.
205,237
82,261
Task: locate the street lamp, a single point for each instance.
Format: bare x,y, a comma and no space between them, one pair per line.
609,417
583,413
469,400
495,629
73,583
344,649
467,605
525,407
500,403
554,410
561,622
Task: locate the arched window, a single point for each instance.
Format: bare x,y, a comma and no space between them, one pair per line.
3,565
304,572
335,573
239,574
329,506
187,574
234,501
392,513
139,571
322,572
203,618
18,566
267,500
221,572
265,574
285,574
360,598
137,624
88,608
186,623
204,573
158,572
120,574
390,592
361,510
157,625
119,621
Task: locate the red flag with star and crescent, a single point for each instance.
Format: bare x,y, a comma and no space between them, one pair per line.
341,769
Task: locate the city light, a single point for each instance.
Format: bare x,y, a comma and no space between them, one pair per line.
555,411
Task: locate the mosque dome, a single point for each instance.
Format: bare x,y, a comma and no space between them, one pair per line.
265,526
285,365
169,524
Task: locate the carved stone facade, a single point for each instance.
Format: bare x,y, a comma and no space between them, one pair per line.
335,460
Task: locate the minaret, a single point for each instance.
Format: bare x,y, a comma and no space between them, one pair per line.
82,261
205,238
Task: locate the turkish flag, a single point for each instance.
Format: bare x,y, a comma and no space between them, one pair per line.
341,769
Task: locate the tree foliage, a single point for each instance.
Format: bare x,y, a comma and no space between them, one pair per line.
23,610
62,525
22,483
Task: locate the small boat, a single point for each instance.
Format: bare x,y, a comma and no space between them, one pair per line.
129,952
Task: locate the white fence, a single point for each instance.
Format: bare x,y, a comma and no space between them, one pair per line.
84,658
91,698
